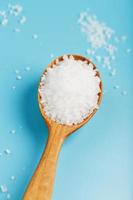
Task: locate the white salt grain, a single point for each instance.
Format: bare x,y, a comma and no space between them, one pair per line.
13,87
51,55
15,9
13,131
128,50
17,71
23,20
97,33
35,36
7,151
3,18
28,69
113,72
124,38
12,178
18,77
116,87
8,196
69,91
3,188
17,30
124,93
98,58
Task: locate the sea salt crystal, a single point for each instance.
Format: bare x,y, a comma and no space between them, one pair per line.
51,55
113,72
90,52
97,33
0,154
69,91
3,18
13,131
98,58
111,49
18,77
12,178
124,93
3,188
17,30
117,40
35,36
128,50
124,38
28,69
113,57
116,87
17,71
15,9
13,87
106,61
109,67
23,20
7,151
8,196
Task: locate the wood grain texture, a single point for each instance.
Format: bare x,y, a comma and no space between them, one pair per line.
41,184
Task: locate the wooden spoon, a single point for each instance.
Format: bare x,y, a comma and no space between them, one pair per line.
41,184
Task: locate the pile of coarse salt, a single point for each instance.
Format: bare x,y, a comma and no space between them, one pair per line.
69,91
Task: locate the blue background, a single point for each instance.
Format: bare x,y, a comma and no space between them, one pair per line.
96,161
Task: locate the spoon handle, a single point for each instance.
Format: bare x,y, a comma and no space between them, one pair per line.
41,184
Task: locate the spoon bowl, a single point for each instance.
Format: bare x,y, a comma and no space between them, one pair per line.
69,128
41,184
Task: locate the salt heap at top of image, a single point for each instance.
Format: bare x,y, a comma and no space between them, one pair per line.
69,91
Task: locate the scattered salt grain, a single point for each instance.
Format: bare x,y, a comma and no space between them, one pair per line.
116,87
18,77
3,188
113,72
111,49
106,61
3,18
35,36
8,196
90,52
98,58
113,57
69,91
117,40
28,69
12,178
17,30
97,33
7,151
51,55
23,20
13,131
109,67
128,50
0,154
15,9
124,38
13,87
17,71
124,93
